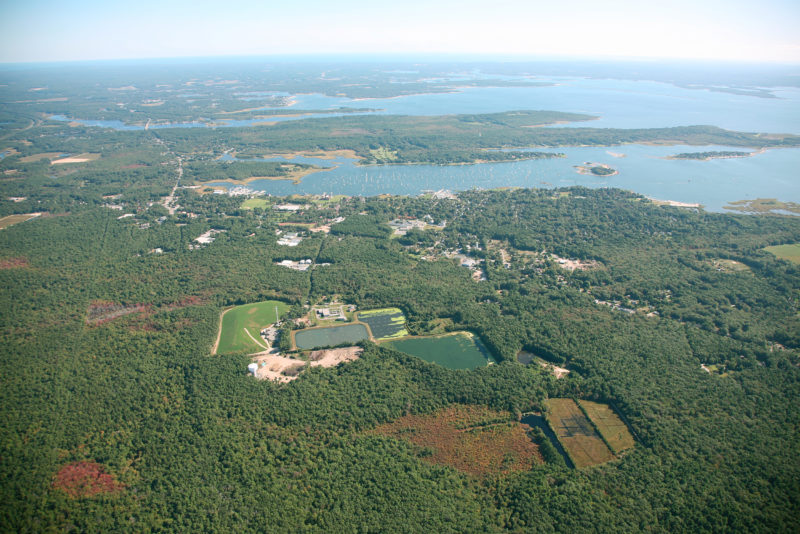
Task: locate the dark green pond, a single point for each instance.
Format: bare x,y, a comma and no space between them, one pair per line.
454,351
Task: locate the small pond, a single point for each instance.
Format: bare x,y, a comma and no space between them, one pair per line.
460,350
537,421
330,337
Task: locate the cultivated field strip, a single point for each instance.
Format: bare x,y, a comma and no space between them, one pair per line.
613,430
576,433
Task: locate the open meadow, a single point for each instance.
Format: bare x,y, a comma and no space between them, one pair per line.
10,220
786,252
241,326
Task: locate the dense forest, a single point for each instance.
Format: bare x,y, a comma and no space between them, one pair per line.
192,443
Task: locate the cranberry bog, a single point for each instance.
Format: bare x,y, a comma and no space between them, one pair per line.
610,426
576,433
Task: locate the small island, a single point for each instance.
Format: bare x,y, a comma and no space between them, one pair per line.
596,169
706,156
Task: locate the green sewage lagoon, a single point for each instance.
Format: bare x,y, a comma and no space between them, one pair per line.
316,338
460,350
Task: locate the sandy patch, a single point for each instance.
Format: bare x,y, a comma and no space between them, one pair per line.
572,265
80,158
674,203
333,357
559,372
283,369
273,367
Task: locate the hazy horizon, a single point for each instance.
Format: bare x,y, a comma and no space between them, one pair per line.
400,57
87,30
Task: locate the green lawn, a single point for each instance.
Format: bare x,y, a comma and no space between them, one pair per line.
250,318
251,203
786,252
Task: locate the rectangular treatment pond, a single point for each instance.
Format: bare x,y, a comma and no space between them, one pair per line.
459,350
386,323
330,337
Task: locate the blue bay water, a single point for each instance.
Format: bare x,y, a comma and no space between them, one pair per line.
618,103
644,169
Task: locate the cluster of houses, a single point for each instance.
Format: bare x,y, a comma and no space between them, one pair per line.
302,265
290,207
290,240
205,239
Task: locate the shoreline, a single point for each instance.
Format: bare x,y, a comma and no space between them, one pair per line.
709,158
557,155
295,177
675,203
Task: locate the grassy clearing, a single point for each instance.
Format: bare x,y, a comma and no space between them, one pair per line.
383,154
332,201
251,203
468,438
576,433
729,266
10,220
38,157
786,252
241,326
609,425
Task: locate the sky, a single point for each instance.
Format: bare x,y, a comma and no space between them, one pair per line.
734,30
